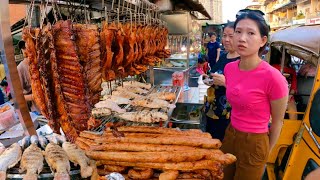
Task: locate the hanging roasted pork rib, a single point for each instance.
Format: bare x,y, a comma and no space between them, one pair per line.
87,41
71,75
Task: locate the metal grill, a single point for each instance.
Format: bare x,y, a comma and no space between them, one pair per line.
129,108
46,173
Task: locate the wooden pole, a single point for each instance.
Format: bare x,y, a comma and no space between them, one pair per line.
7,53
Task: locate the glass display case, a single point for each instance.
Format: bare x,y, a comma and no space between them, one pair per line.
184,42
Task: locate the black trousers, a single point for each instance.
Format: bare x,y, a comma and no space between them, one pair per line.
217,127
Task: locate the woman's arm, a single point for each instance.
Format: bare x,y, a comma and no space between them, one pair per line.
278,108
218,54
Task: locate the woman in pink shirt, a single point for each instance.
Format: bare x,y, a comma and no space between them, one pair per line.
256,92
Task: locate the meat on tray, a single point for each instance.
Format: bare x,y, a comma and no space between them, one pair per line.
144,116
153,103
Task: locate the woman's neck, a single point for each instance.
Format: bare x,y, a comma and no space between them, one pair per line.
232,54
249,63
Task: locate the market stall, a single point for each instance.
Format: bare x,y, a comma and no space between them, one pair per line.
101,120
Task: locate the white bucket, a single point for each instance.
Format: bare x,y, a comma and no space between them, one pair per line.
202,88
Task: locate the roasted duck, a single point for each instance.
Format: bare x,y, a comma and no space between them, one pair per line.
58,161
107,36
9,158
32,162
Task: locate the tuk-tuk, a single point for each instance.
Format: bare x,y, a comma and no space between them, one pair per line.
297,151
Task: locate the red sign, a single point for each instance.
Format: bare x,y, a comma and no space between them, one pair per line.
313,21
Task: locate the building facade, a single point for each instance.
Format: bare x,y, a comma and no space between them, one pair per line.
286,13
214,8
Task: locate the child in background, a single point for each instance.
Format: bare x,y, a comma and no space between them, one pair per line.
203,66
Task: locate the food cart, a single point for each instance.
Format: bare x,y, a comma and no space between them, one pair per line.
66,61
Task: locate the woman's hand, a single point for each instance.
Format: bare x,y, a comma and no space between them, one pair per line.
219,79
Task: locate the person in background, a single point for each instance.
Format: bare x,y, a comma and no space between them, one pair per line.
2,71
213,50
6,90
256,91
217,127
202,67
23,70
291,76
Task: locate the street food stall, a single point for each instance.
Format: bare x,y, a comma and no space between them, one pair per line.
87,66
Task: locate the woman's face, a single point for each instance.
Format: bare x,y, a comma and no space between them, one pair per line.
213,38
247,38
227,39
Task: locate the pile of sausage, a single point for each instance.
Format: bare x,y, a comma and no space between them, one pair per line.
144,152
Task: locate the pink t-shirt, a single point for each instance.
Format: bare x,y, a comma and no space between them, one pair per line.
250,93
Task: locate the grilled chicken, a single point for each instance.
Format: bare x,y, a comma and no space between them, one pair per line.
32,162
144,116
77,156
127,94
152,103
137,84
109,104
117,99
58,161
169,96
9,158
136,90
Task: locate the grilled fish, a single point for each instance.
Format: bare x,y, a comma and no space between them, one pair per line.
9,158
77,156
32,162
58,161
